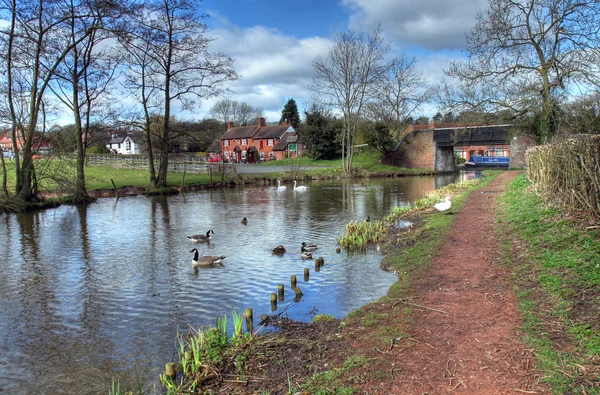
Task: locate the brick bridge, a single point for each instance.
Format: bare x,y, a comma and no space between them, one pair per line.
433,148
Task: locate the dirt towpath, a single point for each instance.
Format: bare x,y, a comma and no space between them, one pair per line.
465,339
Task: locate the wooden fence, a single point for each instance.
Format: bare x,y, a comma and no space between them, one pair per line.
179,163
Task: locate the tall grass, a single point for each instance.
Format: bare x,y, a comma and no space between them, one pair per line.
359,235
202,353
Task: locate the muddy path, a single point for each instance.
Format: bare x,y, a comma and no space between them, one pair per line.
464,335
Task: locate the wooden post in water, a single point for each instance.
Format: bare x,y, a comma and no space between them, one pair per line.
297,291
273,297
321,261
249,320
170,370
114,186
317,266
293,280
280,293
338,250
182,181
306,275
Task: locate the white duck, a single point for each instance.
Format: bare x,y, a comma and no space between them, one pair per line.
201,238
299,188
280,187
205,261
444,206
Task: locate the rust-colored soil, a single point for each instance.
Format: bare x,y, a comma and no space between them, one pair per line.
464,337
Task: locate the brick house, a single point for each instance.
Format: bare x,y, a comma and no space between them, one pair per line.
40,143
289,147
253,143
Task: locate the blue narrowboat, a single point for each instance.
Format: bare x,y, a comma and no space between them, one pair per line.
488,161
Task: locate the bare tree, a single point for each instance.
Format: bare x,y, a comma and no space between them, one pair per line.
399,94
240,113
83,78
178,63
523,54
343,79
35,43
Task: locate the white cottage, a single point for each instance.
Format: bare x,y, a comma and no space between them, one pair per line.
125,145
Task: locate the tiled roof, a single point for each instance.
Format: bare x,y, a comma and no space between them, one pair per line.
271,132
240,132
215,147
282,144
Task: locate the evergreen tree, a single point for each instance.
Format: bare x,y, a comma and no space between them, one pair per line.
290,113
321,134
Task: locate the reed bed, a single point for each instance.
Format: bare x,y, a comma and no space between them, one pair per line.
360,235
568,172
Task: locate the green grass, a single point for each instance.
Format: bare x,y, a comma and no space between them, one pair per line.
554,267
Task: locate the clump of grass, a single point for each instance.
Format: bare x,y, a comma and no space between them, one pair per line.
359,235
323,318
202,354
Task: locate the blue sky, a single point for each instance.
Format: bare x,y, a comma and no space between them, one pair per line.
275,42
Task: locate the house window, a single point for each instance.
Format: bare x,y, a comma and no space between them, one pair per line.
292,147
270,142
262,156
119,146
226,143
271,156
128,145
244,142
244,155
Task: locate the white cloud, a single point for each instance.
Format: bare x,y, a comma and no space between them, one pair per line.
430,24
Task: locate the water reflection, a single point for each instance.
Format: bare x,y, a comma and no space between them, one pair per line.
90,292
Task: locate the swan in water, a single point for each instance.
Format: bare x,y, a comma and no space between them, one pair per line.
201,238
446,205
299,188
279,186
205,261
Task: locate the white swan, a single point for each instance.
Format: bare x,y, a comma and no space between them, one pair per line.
444,206
299,188
279,186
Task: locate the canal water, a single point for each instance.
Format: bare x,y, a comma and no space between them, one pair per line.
88,293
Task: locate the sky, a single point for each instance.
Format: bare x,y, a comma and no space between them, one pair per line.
274,42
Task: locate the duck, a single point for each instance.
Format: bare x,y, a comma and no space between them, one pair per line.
201,238
368,219
206,261
305,254
308,247
245,221
299,188
279,186
444,206
278,250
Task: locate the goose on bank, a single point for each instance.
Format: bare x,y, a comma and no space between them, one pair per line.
444,206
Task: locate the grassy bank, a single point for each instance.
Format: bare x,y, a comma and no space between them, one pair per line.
556,266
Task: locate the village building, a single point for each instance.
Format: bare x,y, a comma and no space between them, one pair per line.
40,144
125,144
253,143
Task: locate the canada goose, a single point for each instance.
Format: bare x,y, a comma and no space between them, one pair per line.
444,206
279,186
278,250
206,261
305,254
299,188
200,238
308,247
245,221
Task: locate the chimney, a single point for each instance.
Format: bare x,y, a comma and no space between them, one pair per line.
229,125
261,122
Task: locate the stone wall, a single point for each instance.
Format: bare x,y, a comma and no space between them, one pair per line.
518,146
